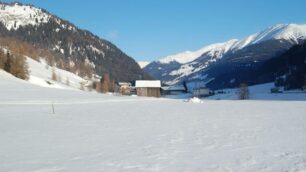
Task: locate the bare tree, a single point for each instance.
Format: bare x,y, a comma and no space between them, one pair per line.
67,81
2,59
243,92
105,82
53,75
59,77
82,86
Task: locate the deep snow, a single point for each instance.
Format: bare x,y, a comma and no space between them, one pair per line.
95,132
261,92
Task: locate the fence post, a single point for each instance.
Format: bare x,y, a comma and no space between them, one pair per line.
53,112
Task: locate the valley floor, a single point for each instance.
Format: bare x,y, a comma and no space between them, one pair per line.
94,132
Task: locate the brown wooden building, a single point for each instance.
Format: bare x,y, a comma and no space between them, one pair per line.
148,88
125,88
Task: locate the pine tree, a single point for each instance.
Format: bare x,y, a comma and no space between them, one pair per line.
7,65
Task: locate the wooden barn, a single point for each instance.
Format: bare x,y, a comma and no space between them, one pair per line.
125,88
148,88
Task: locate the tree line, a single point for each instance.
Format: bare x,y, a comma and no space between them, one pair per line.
14,64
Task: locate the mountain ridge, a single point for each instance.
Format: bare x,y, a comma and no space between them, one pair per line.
279,37
71,46
241,43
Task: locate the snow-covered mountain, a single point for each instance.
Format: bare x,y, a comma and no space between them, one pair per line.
189,56
16,15
68,46
143,64
190,65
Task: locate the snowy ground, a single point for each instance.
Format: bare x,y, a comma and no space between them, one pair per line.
94,132
40,74
261,92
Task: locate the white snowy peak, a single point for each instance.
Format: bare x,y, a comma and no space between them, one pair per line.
143,64
188,56
290,32
15,15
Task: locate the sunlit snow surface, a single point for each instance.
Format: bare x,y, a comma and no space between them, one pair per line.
95,132
16,15
40,73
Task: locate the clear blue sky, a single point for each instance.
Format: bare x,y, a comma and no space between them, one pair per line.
150,29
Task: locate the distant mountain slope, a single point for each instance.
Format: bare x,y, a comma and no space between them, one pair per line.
143,64
71,47
288,69
221,64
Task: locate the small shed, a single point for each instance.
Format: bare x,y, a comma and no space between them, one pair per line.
148,88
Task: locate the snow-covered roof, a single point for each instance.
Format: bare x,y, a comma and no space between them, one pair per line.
148,83
124,83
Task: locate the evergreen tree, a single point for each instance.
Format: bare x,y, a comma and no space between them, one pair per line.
7,65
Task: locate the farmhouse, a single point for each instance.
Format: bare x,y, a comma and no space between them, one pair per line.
125,88
148,88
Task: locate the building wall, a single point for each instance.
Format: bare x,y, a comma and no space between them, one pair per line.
125,90
148,92
202,92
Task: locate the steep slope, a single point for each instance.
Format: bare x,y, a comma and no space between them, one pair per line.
288,69
222,59
40,73
72,48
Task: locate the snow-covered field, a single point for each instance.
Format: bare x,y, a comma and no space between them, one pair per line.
261,92
95,132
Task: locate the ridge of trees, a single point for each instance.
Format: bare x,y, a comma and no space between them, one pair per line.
20,48
14,64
